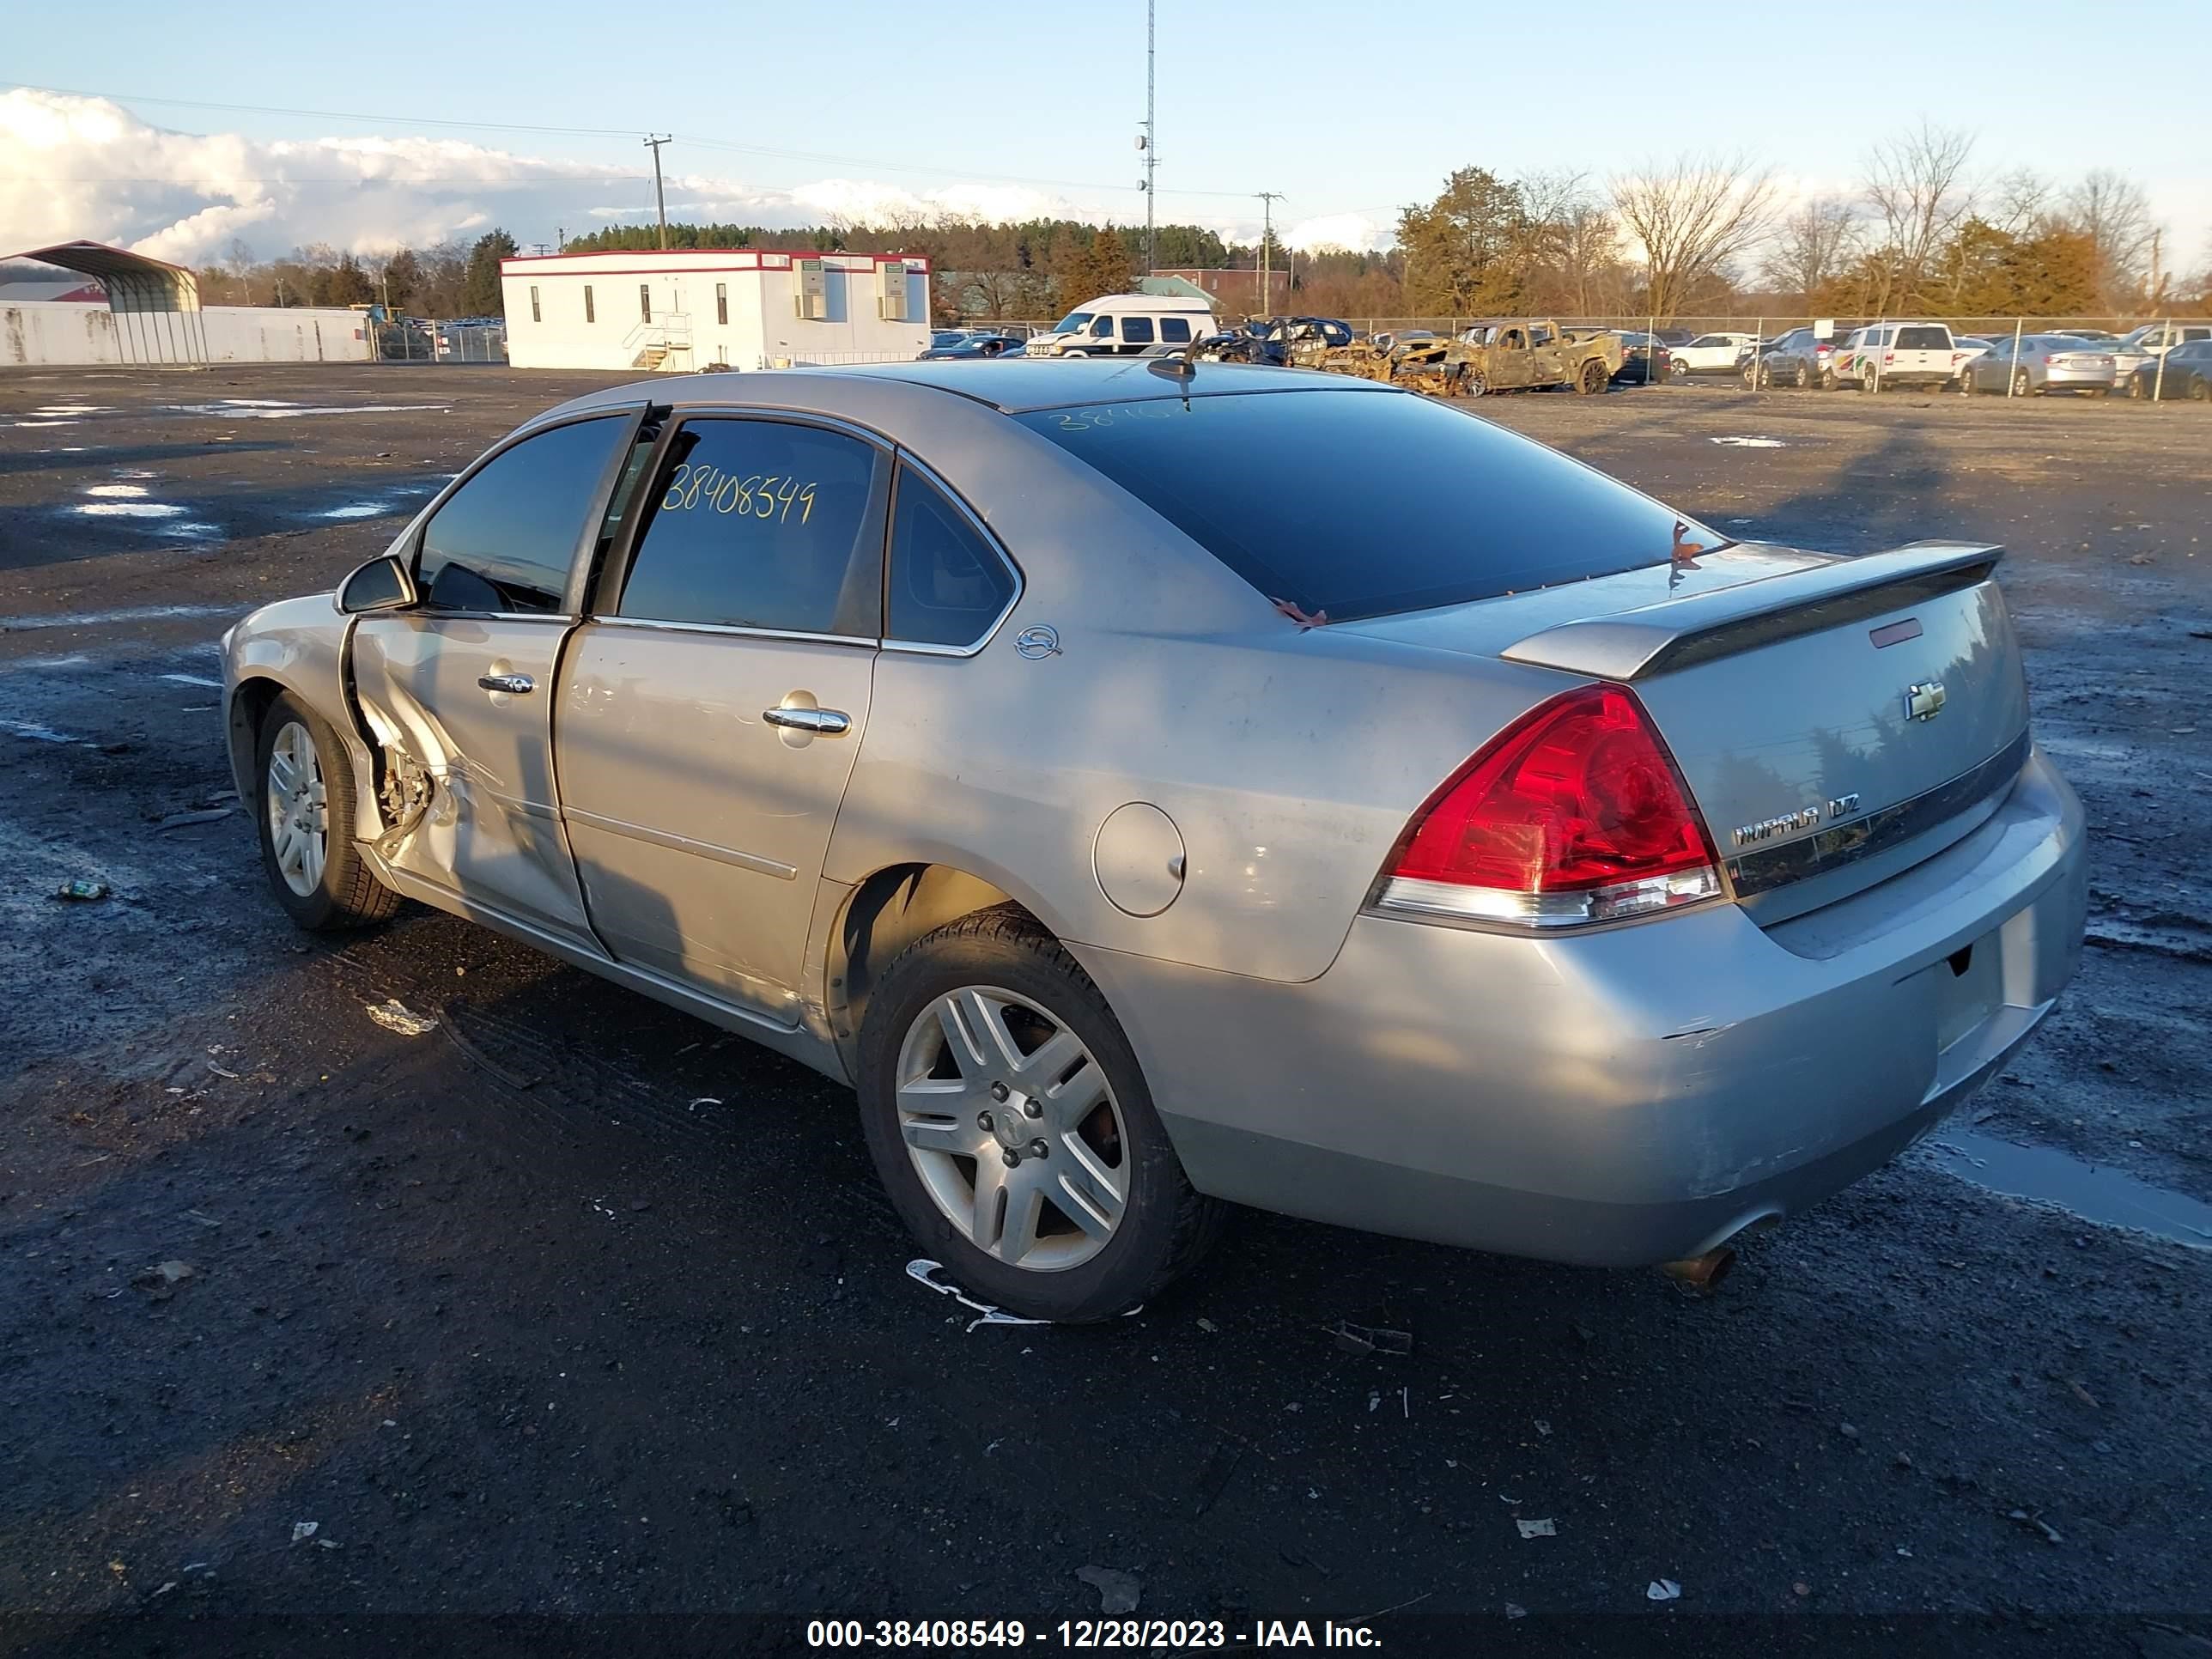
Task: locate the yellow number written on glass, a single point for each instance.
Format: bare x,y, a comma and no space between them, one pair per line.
694,485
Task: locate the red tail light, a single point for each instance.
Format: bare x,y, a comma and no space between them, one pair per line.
1889,356
1574,813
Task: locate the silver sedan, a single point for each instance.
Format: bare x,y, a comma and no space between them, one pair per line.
2040,363
1152,786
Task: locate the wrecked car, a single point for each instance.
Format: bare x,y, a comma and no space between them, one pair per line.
1135,836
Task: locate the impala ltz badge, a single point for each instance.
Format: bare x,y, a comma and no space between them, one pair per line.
1923,701
1750,834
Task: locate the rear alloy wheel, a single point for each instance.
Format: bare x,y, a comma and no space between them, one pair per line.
1681,370
1472,383
1593,378
1009,1120
1966,382
1804,377
1828,381
2200,389
306,811
2023,385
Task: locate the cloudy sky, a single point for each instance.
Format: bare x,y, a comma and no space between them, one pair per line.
416,127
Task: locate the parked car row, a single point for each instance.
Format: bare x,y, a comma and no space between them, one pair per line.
1883,356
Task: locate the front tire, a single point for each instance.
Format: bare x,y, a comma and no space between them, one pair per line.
305,817
2023,385
1012,1127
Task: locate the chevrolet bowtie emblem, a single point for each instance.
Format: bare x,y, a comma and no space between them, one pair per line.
1923,701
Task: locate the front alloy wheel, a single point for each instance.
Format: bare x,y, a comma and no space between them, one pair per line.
299,809
1013,1127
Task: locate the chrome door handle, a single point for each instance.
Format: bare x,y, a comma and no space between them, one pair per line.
823,722
514,683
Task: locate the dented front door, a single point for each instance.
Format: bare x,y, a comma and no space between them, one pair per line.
490,828
459,692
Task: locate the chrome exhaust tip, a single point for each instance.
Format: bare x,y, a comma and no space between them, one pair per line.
1701,1274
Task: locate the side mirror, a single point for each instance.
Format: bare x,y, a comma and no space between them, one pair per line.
383,584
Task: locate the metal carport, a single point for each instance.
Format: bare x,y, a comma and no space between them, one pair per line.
156,305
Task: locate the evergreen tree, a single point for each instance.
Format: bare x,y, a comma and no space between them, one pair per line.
480,291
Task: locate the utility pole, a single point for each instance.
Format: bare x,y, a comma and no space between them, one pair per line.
660,200
1267,200
1149,144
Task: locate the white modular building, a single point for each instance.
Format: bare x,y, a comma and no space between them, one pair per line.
687,309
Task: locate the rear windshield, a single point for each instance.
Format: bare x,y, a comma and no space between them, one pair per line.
1923,339
1364,503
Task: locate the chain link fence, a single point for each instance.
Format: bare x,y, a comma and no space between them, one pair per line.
427,340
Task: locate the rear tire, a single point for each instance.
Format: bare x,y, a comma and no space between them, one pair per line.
1966,382
1593,379
924,1097
2200,389
2023,385
305,809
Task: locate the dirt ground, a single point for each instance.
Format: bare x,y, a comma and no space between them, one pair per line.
575,1306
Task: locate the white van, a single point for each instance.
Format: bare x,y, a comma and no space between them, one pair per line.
1123,325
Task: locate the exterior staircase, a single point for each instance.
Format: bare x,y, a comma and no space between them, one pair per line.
651,357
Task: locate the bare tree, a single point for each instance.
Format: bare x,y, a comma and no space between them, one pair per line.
1575,246
1812,247
2113,212
1691,217
2018,202
1917,186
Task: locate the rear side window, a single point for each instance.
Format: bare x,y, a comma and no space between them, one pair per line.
1136,331
1923,339
1369,503
1175,331
505,539
762,523
947,584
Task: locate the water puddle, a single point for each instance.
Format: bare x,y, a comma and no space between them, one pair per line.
359,510
125,491
1751,443
258,409
2042,1175
129,509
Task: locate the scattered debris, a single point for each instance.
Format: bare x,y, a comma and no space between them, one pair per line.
220,1071
2035,1520
1117,1591
1369,1338
394,1015
1849,1431
1515,1610
204,1220
703,1100
1213,1473
1543,1429
1662,1589
921,1269
303,1530
2085,1397
1207,1325
203,815
165,1276
82,888
1543,1529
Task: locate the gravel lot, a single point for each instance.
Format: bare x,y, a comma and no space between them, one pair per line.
576,1306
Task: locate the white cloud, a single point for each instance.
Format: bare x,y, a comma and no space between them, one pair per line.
1347,233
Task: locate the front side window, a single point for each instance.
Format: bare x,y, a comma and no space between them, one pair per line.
947,585
1136,331
762,523
1102,328
645,300
722,302
1175,331
1383,528
505,539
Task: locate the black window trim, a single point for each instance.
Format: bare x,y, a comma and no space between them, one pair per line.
906,460
587,536
614,570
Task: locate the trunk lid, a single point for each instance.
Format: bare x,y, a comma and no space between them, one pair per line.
1837,719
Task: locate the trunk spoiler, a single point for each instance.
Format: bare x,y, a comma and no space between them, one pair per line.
1674,634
